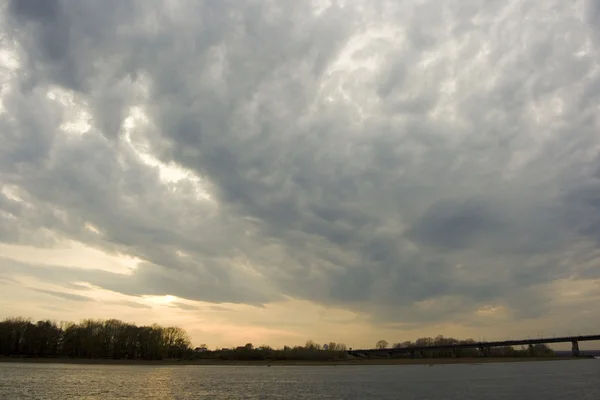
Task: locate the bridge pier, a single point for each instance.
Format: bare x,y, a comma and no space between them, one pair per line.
412,354
485,350
454,355
530,349
575,348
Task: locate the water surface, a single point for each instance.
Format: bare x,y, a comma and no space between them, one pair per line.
576,380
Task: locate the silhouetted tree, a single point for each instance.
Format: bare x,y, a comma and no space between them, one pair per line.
120,340
92,339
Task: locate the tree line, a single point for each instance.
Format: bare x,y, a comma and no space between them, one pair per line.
311,351
91,339
114,339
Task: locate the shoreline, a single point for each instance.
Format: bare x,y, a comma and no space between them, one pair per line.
263,363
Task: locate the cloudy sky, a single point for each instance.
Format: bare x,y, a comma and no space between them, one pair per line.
277,171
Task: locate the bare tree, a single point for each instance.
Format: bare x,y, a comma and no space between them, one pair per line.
382,344
312,345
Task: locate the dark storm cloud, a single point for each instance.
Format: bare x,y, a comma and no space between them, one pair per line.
50,29
454,225
36,10
351,157
147,280
593,11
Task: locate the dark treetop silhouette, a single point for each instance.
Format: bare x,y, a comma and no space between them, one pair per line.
114,339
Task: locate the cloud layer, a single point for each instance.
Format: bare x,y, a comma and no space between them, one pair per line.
414,161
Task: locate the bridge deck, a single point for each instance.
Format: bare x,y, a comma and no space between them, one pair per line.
476,345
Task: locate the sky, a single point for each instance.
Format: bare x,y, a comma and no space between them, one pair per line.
277,171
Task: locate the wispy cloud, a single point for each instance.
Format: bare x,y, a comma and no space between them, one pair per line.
64,295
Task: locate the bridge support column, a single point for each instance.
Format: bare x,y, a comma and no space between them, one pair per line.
422,353
575,348
485,351
530,349
454,352
412,354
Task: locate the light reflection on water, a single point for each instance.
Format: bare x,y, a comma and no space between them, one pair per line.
535,380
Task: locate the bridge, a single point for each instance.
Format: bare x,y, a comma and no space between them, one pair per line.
483,347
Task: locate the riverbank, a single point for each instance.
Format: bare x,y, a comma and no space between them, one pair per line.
357,362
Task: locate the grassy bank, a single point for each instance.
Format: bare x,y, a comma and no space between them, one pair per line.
358,362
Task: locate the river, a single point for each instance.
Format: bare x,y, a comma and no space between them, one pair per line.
577,380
